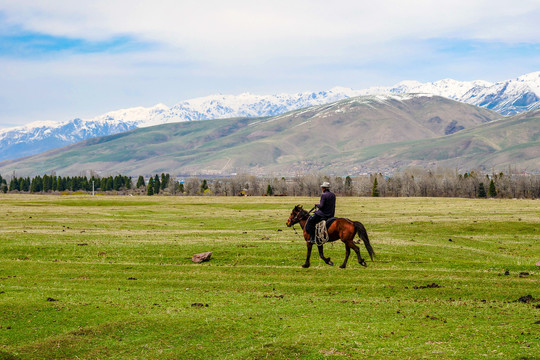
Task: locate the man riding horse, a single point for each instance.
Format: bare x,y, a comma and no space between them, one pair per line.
326,210
341,229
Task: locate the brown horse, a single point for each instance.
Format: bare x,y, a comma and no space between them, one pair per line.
341,228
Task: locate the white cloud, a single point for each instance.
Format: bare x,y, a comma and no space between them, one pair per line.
203,47
234,29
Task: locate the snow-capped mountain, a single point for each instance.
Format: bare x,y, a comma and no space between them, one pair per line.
42,136
246,105
447,88
506,97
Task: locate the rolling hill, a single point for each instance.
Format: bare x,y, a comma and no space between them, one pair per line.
357,135
513,141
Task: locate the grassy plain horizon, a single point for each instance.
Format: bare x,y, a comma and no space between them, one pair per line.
111,277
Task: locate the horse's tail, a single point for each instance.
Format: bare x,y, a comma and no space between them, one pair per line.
362,234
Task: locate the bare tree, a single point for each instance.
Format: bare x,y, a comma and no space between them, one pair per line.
192,186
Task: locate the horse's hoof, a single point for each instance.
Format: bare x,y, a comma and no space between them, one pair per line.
330,263
342,266
363,263
305,266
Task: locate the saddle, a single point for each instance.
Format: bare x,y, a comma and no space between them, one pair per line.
330,221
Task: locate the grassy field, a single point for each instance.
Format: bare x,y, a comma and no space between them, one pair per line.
100,277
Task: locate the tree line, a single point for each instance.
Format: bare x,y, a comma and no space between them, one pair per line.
53,183
408,183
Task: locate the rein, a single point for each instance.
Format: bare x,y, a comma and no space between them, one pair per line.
296,232
301,215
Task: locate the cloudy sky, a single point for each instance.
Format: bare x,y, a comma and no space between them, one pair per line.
64,59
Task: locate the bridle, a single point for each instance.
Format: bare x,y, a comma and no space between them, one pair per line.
299,216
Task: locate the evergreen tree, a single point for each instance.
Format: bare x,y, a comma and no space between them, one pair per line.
140,182
492,191
76,183
33,185
54,185
37,184
103,184
164,181
51,181
150,187
118,182
65,183
25,184
21,183
375,189
156,185
269,190
348,185
204,186
60,185
181,188
127,182
3,185
14,184
46,183
85,185
481,190
109,184
69,183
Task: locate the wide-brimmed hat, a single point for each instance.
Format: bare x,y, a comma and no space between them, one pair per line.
325,184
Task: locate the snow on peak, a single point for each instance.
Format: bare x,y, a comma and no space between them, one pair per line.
408,84
508,97
532,80
534,76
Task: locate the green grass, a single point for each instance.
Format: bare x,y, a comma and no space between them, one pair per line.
86,277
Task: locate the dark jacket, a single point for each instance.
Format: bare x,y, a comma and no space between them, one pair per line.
327,206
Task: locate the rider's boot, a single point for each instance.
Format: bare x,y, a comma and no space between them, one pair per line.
312,236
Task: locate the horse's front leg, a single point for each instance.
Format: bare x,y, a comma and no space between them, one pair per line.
321,254
347,253
309,247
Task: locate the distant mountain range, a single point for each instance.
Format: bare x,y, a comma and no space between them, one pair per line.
506,97
381,133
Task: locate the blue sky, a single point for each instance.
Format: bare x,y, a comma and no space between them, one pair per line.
62,60
27,45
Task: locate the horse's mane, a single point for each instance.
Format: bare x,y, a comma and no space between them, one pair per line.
301,212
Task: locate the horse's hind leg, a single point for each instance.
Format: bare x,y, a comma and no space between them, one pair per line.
357,251
321,254
347,253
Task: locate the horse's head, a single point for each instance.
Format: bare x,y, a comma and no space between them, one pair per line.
297,214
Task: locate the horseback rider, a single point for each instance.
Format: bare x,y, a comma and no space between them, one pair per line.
325,210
